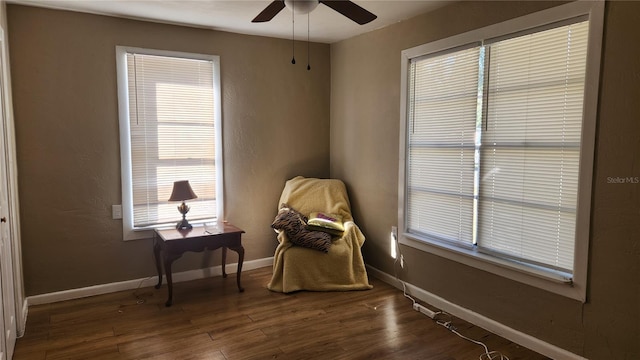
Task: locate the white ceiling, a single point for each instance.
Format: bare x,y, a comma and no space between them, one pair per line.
326,25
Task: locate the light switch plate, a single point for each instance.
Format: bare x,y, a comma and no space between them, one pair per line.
116,212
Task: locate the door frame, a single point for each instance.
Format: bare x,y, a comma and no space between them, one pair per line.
11,169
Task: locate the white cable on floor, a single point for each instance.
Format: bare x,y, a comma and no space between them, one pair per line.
487,355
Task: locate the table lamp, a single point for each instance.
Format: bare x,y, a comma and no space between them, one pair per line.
182,191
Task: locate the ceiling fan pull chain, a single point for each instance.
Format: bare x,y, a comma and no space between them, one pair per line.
293,35
308,51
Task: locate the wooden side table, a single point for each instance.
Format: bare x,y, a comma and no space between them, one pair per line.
172,243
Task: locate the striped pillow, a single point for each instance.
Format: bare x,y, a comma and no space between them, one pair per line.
294,224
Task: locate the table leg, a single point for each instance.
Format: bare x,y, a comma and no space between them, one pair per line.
240,251
224,261
156,253
167,269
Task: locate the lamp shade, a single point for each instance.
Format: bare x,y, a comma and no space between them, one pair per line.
182,191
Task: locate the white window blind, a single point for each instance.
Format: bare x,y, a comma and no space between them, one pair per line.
531,146
172,135
493,145
443,96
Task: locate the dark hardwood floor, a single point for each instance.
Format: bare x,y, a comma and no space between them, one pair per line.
210,319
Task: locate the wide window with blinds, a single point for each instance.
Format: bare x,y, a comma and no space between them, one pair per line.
494,143
169,108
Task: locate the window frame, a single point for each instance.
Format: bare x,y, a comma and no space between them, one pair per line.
129,231
574,287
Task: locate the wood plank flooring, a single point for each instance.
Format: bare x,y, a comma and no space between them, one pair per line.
210,319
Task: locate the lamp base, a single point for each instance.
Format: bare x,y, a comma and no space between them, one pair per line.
184,225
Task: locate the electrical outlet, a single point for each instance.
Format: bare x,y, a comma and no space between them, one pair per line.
393,242
116,212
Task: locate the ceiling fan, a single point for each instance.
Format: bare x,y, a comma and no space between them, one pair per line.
345,7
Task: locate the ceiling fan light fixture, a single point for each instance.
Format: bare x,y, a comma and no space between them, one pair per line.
345,7
301,6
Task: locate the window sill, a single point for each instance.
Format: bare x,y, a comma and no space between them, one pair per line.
555,282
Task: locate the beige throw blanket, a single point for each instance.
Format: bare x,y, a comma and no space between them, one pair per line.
298,268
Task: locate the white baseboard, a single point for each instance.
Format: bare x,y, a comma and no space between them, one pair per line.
482,321
133,284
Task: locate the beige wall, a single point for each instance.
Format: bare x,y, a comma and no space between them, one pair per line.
275,122
365,98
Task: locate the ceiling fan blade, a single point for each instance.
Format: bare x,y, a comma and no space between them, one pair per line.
351,10
270,11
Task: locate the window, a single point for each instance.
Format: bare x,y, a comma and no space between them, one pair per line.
497,143
169,107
